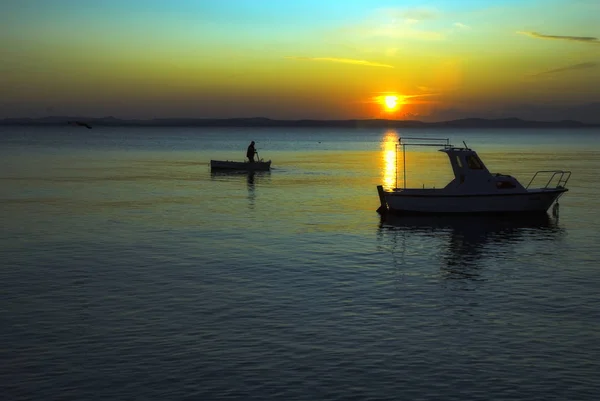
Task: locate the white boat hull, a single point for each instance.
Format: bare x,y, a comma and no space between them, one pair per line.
432,202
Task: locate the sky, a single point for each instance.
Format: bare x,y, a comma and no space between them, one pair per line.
302,59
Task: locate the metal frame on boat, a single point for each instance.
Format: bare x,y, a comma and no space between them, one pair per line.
473,190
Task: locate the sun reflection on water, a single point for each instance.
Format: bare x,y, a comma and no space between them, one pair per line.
388,146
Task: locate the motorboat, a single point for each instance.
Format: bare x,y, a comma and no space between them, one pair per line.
259,165
474,188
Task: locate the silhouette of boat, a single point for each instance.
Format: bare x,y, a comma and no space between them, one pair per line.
259,165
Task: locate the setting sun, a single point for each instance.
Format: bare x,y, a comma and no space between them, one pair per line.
391,102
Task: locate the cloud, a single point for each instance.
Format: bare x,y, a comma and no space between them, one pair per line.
341,60
585,39
568,68
398,23
405,99
401,30
461,25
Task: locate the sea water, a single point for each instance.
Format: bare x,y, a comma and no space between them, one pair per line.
129,271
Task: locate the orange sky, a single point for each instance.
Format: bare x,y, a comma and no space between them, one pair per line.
306,59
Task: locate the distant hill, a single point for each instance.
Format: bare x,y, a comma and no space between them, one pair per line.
267,122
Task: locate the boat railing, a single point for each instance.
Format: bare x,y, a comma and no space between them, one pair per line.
562,177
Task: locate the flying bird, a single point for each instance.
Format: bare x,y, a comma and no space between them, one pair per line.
80,123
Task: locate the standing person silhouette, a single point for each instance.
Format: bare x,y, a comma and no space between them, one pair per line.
251,152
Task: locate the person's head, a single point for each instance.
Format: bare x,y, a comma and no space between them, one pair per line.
252,143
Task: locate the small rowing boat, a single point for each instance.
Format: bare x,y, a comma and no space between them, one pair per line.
259,165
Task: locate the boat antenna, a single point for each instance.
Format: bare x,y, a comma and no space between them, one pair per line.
466,147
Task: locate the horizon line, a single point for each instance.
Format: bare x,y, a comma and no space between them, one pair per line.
83,118
300,122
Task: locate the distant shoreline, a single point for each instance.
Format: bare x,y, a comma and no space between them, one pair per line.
267,122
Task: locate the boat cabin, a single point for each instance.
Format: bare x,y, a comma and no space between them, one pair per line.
471,174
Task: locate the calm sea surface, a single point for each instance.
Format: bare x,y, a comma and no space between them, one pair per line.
129,271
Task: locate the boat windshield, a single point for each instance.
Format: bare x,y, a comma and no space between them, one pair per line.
474,163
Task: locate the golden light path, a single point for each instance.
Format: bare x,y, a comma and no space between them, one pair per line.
388,146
